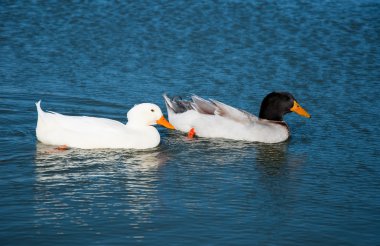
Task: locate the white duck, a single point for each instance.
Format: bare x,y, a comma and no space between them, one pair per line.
91,132
214,119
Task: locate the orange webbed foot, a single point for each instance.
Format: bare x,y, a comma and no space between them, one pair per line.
62,147
57,149
191,133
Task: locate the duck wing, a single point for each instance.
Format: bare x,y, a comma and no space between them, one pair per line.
52,121
203,106
86,123
235,114
209,107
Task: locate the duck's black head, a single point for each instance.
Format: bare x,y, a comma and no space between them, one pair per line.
276,104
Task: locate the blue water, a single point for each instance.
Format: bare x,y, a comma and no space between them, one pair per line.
322,187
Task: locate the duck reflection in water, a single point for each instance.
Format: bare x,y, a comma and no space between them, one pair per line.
272,158
53,159
82,184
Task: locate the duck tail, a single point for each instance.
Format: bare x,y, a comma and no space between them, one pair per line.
38,106
177,105
168,102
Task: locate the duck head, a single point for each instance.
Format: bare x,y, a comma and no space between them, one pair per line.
147,114
276,104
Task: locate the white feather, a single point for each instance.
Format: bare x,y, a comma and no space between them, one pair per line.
91,132
225,122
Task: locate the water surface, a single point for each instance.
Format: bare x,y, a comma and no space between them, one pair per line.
99,59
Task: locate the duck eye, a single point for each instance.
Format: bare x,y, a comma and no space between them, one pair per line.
152,110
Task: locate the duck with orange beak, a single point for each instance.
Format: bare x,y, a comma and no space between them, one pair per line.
214,119
90,132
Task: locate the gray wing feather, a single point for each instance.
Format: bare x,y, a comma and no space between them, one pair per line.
203,106
232,113
210,107
177,105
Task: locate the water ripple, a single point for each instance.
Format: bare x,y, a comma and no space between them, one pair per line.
101,58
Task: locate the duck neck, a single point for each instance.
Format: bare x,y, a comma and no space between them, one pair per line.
268,113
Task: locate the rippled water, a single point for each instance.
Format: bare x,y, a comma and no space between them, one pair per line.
100,58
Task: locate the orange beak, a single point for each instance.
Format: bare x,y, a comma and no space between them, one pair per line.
163,122
299,110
